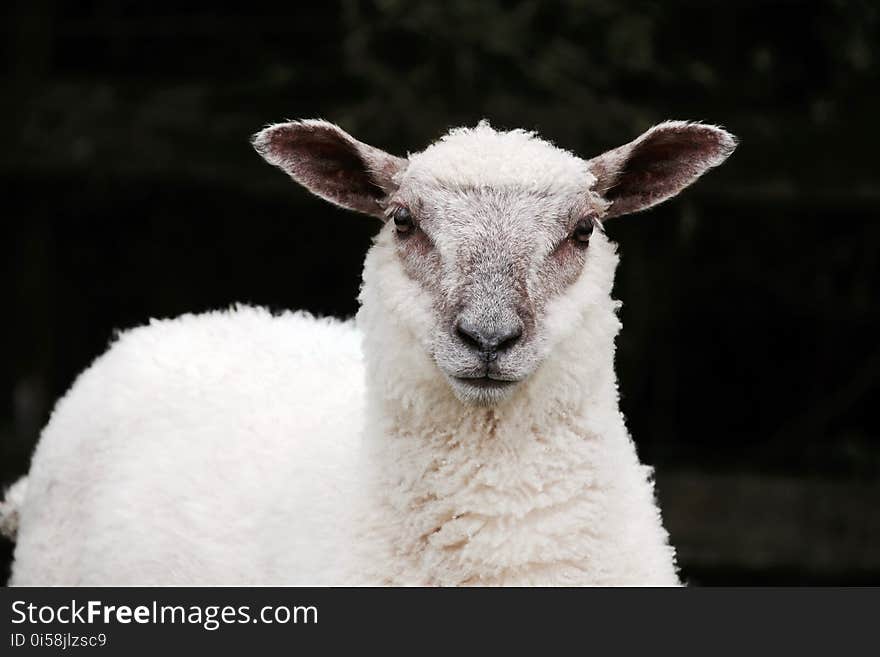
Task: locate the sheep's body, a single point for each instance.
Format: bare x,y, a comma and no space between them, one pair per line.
195,452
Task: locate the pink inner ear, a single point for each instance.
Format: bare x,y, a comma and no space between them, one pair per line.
330,163
325,162
659,165
657,169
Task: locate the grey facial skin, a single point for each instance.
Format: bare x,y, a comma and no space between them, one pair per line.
490,259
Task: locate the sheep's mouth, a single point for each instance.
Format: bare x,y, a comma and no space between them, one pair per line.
486,382
482,390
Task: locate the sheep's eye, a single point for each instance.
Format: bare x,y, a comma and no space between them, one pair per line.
403,221
582,231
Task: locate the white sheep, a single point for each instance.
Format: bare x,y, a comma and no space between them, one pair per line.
464,429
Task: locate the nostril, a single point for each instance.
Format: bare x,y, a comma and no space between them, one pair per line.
505,342
469,336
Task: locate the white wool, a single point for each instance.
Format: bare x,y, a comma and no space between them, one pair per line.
195,451
486,157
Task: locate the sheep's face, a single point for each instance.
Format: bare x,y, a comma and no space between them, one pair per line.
490,227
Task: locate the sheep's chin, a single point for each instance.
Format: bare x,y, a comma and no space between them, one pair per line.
481,392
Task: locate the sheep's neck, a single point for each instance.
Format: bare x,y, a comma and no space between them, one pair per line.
454,480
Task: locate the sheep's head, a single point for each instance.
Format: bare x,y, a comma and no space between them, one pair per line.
490,227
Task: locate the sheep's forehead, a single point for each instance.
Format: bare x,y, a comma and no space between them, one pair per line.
493,219
484,157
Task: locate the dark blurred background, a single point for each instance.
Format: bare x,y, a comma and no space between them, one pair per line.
749,358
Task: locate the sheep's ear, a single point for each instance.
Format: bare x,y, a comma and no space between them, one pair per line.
329,162
658,165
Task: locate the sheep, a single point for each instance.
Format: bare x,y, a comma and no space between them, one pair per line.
463,429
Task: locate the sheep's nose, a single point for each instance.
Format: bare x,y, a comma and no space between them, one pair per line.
488,342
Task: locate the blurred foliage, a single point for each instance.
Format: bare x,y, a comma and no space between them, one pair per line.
750,316
96,82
